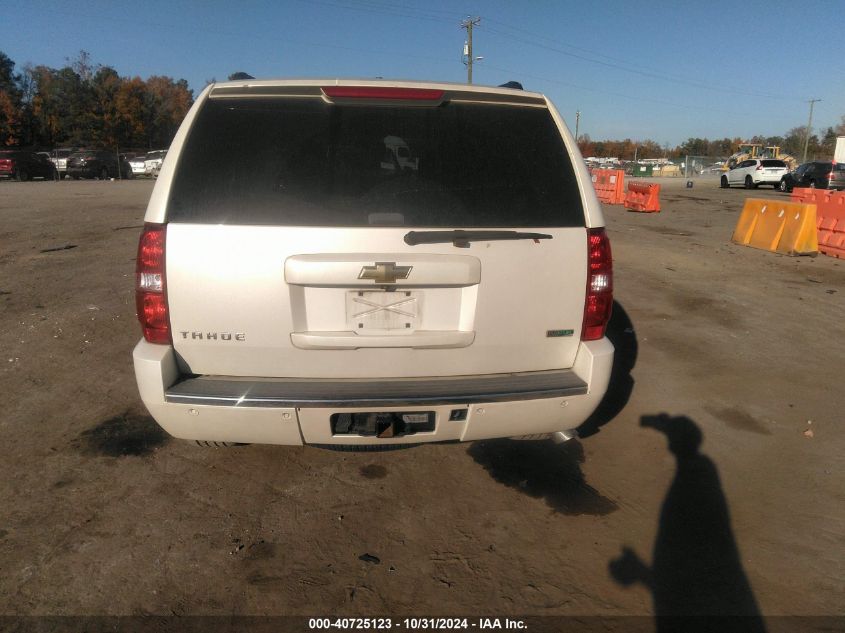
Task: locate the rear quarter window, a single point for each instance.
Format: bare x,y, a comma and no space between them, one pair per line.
303,162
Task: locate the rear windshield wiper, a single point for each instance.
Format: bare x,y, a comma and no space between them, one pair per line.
462,239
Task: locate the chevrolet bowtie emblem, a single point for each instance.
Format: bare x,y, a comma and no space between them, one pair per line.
385,272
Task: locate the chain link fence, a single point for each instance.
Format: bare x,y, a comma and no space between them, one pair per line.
703,166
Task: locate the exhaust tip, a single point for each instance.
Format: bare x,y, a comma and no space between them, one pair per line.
559,437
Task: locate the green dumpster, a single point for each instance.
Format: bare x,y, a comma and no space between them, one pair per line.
642,171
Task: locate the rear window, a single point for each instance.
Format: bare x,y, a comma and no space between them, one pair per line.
773,163
303,162
838,167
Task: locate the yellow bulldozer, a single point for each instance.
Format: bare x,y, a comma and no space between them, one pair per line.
746,151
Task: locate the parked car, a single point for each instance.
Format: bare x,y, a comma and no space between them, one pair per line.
816,174
152,162
293,289
137,164
754,172
59,157
102,164
23,165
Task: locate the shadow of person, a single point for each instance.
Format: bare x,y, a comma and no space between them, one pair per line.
621,333
696,578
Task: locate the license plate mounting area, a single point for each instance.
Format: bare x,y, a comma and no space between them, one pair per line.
383,424
383,311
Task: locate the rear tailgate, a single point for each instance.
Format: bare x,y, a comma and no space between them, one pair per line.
287,248
773,169
237,309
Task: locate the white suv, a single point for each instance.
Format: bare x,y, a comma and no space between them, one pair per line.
754,172
294,286
152,162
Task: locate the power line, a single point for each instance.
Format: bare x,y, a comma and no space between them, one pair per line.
287,40
382,8
395,53
374,6
611,93
635,71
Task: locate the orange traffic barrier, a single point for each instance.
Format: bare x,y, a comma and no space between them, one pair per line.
783,227
609,185
830,218
643,197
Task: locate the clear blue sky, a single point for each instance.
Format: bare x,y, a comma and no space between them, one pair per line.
637,69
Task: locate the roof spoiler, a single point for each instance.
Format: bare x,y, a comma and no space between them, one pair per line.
515,85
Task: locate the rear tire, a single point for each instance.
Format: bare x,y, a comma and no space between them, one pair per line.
22,175
749,184
812,184
724,182
104,174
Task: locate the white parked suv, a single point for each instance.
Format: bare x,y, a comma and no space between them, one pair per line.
754,172
294,286
138,165
152,162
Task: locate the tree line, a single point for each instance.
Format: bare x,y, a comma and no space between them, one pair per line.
818,147
88,105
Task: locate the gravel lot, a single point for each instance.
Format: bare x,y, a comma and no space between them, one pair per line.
101,513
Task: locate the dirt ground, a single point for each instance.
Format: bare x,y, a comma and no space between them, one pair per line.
101,513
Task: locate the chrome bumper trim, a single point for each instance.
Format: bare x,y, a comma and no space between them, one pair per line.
387,392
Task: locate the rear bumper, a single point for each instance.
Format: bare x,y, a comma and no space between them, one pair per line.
297,411
768,179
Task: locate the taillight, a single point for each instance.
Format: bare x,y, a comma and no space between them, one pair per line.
599,285
759,167
375,92
831,175
150,286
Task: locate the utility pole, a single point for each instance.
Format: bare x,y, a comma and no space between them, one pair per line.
812,102
468,24
577,124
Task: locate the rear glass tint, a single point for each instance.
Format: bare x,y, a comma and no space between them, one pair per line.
773,163
303,162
